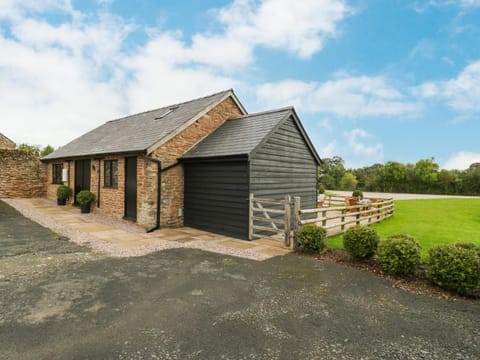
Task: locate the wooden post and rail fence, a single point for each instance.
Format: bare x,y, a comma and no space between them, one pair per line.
281,219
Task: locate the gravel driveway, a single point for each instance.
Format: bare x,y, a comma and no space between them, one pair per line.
397,196
190,304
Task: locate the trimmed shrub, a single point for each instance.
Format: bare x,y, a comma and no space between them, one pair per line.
63,192
85,197
454,267
357,194
320,188
311,238
469,246
361,242
399,255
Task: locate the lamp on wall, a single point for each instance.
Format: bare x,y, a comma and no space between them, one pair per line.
93,167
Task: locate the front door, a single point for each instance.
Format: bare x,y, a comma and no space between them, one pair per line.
82,177
131,188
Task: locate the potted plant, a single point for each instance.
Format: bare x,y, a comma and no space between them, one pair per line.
85,199
63,193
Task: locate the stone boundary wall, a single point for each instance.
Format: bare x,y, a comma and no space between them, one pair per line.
22,175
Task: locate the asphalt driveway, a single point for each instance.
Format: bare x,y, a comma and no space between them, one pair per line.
189,304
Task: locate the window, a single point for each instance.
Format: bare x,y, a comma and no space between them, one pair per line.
57,174
110,174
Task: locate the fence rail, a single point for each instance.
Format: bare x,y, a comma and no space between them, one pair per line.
281,219
337,218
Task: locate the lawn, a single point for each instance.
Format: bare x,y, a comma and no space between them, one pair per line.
432,222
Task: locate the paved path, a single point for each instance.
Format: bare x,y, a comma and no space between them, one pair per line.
397,196
119,239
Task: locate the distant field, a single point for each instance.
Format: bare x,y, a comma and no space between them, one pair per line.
432,222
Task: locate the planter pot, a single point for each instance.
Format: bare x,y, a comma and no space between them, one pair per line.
61,201
85,208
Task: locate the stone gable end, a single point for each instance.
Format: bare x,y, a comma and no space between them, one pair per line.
6,143
172,181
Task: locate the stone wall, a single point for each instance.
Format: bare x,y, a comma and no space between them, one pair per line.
6,143
168,153
22,175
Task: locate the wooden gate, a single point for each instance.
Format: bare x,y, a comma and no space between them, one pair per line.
270,218
281,219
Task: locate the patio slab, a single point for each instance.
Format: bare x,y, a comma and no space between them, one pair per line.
120,238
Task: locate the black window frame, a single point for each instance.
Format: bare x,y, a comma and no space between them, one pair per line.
57,170
108,181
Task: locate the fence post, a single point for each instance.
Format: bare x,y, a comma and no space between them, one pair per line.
288,212
359,210
250,217
296,220
379,212
324,219
342,222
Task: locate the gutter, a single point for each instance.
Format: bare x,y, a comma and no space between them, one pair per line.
159,183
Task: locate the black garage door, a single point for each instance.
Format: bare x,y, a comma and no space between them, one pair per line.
216,197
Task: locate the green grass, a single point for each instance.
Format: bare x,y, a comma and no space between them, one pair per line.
432,222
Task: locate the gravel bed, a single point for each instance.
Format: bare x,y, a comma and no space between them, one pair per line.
113,250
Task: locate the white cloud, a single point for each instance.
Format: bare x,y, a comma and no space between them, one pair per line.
422,5
159,79
78,72
329,150
426,90
359,148
300,27
424,49
326,124
461,160
14,9
347,96
470,3
461,93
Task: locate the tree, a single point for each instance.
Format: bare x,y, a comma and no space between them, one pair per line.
394,175
330,172
446,181
29,148
471,180
426,174
348,181
47,150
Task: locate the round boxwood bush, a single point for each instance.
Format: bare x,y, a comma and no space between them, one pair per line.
361,242
454,267
320,188
469,246
85,197
399,255
311,238
63,192
357,194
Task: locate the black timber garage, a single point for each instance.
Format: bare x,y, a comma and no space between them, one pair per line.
268,154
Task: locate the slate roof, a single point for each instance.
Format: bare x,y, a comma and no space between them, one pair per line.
138,132
242,135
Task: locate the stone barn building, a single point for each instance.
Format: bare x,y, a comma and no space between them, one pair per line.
168,167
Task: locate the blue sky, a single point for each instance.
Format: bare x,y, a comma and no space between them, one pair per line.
372,80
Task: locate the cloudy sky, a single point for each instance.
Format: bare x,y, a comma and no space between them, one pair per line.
372,80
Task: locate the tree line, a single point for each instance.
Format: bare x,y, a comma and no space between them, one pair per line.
424,176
